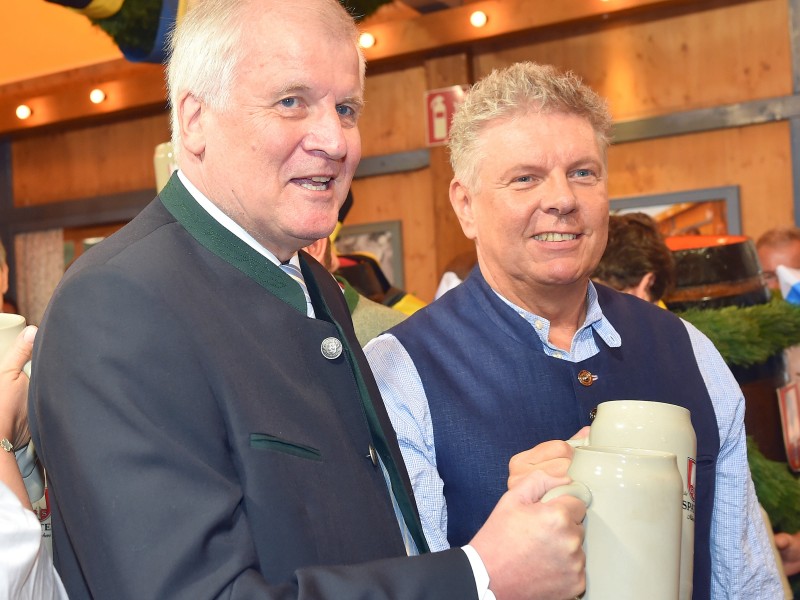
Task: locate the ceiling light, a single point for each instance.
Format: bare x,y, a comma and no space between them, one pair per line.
478,18
24,111
97,96
366,40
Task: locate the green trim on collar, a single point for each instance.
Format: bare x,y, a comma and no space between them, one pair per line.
215,238
351,296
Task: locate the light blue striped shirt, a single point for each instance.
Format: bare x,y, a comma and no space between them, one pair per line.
743,564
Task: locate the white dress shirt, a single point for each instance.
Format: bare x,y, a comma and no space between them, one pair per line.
26,568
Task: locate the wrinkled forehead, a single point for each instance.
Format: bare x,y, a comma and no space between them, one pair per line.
310,25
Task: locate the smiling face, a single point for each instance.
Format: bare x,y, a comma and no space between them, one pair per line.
538,211
280,158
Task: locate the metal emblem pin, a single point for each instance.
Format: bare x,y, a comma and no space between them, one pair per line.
331,348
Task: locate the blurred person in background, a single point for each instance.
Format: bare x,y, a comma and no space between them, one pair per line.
636,259
779,246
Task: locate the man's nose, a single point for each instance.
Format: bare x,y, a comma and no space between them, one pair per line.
326,134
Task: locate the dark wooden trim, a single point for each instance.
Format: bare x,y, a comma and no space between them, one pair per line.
707,119
76,213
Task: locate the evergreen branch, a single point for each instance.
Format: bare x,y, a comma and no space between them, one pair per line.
749,335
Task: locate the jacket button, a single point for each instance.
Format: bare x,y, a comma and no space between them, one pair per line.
586,378
331,348
373,455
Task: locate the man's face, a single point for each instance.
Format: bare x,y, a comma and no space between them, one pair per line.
279,160
540,213
770,256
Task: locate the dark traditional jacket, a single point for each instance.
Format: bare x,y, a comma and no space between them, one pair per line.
198,441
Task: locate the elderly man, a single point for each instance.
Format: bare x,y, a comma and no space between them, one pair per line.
527,346
208,421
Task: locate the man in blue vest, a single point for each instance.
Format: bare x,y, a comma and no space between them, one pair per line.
527,346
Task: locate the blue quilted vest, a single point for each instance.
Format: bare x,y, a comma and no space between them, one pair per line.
493,392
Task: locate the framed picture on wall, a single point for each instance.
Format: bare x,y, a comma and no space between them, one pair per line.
383,240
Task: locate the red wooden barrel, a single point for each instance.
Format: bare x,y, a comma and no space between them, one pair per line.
712,271
719,271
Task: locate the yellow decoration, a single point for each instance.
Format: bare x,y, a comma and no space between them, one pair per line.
101,9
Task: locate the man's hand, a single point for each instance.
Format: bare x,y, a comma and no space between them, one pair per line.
533,551
14,390
788,545
553,457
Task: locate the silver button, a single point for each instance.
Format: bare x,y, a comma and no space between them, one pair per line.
373,455
331,348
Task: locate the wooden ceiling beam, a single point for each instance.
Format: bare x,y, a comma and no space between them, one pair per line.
62,98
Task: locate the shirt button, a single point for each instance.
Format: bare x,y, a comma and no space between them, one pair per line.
538,324
557,355
373,455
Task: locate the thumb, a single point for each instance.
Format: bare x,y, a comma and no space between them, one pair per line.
21,351
782,540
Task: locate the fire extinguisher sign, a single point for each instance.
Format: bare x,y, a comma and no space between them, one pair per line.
440,105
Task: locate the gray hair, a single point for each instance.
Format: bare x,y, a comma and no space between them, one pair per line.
205,50
507,92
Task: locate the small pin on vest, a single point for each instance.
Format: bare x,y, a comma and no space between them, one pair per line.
585,378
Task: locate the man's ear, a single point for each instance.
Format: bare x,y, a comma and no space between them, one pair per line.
191,114
318,249
461,200
642,289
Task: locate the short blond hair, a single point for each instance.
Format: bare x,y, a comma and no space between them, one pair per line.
515,89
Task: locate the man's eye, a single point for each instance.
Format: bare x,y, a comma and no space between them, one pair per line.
524,179
345,111
291,102
584,173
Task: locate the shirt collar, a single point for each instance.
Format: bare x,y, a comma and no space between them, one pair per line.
229,224
594,319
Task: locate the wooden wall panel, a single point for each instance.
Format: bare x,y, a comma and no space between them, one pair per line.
756,158
698,60
404,197
87,162
393,119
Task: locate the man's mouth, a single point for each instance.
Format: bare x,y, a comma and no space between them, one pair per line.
555,237
317,184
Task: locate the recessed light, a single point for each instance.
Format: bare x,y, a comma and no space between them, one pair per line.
366,40
478,18
24,111
97,96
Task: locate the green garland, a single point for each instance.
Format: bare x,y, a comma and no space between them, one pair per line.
361,9
750,335
134,27
778,492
